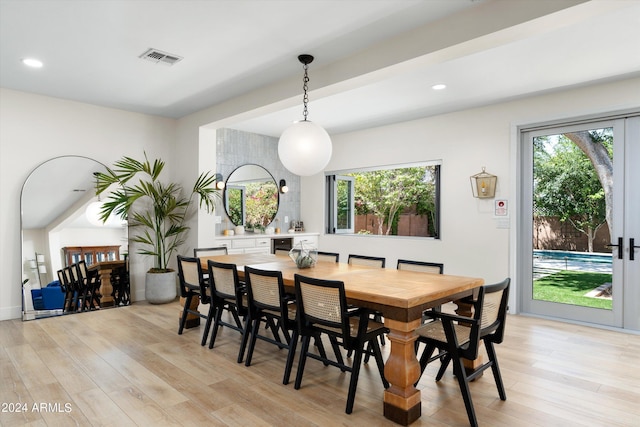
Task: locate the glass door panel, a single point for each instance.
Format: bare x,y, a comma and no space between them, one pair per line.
578,191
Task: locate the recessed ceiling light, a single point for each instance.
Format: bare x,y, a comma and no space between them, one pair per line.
32,62
439,86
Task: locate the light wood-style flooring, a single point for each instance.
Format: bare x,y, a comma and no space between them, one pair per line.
128,366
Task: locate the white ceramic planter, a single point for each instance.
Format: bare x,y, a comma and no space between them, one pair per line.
160,288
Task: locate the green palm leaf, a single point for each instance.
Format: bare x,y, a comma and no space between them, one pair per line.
162,217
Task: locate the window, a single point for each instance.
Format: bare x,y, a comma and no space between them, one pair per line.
400,200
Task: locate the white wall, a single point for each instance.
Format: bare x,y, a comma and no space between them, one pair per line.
472,242
34,129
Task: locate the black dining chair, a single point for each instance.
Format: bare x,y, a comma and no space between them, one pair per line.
269,303
420,266
460,337
88,285
370,261
192,285
227,294
328,256
68,289
322,310
120,280
76,300
207,252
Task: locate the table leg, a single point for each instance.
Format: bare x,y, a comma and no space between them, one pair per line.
106,288
402,400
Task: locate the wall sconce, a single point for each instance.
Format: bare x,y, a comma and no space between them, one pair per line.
219,181
283,186
483,185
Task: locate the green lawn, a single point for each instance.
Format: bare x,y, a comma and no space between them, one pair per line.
569,287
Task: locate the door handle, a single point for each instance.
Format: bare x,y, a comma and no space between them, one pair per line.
619,246
632,248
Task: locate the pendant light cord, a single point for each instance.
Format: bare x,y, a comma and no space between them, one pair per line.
305,88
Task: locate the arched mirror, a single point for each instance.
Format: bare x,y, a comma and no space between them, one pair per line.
251,197
60,227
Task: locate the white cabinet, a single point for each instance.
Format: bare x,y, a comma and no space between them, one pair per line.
245,244
227,244
257,245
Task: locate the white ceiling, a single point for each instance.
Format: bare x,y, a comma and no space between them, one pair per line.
91,48
376,60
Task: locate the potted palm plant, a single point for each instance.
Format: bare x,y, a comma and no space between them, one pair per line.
160,214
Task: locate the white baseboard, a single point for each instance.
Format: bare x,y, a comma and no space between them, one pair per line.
9,313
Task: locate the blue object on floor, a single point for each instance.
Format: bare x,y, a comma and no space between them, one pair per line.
48,298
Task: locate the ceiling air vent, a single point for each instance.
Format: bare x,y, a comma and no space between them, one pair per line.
160,57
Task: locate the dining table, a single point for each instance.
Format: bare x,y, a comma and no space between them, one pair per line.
400,296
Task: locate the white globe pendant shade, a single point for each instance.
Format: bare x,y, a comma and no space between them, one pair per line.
304,148
93,213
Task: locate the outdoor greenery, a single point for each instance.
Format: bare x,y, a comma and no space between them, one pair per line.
387,193
260,204
161,208
235,207
344,197
567,185
570,287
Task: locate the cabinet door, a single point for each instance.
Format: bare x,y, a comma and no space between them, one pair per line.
263,243
307,240
243,243
224,243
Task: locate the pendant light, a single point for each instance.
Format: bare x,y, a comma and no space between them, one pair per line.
304,148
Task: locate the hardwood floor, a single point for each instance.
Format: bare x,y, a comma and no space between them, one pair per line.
128,366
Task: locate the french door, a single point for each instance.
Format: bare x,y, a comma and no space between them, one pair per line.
552,264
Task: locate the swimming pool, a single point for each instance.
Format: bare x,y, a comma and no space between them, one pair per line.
575,256
568,260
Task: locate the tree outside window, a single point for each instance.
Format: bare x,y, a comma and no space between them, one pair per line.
566,183
398,201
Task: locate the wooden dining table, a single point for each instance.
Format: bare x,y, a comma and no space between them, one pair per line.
400,295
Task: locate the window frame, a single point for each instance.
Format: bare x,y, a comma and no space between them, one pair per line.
332,203
331,199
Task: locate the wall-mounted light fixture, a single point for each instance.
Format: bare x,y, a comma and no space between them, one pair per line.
283,186
304,147
219,181
483,185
